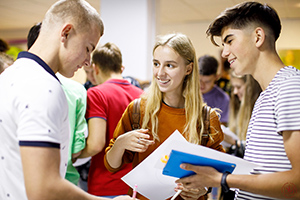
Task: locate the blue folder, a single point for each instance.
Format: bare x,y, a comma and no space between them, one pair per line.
172,168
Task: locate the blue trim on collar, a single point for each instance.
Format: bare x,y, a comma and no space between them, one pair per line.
39,144
120,81
26,54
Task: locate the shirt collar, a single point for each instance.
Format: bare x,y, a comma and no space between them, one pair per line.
26,54
118,81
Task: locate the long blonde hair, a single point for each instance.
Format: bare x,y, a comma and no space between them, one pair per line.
191,91
240,111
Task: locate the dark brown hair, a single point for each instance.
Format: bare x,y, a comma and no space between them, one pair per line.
243,15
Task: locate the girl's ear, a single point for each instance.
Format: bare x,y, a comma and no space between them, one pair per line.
189,68
260,36
66,32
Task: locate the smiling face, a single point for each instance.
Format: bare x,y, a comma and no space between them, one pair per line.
240,49
169,70
76,50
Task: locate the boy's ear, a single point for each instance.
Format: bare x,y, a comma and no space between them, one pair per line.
122,69
65,32
260,36
95,68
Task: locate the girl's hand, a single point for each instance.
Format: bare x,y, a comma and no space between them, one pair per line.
191,194
136,140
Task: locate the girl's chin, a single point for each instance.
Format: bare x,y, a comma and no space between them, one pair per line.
162,89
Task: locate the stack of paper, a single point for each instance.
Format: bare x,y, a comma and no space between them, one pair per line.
156,186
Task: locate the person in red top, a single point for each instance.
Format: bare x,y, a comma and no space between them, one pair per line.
106,103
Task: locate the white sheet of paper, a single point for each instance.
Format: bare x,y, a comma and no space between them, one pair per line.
156,186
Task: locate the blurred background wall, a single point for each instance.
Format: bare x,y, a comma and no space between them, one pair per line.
134,24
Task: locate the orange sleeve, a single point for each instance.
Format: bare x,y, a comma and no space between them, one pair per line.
124,125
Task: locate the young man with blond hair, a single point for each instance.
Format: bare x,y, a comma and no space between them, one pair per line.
34,122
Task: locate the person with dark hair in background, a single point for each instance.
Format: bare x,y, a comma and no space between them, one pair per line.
214,96
33,34
248,33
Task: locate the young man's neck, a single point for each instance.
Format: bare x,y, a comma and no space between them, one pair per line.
112,76
116,76
267,70
49,56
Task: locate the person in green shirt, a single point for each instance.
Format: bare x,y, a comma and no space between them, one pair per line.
76,96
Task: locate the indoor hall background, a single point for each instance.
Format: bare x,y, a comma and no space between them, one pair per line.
190,17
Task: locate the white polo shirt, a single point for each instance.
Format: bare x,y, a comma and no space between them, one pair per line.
33,112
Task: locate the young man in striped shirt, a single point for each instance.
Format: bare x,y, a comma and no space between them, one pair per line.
248,32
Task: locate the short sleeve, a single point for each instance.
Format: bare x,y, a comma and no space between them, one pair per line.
287,105
96,104
41,112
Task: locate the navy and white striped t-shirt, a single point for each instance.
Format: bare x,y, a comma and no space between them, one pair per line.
277,109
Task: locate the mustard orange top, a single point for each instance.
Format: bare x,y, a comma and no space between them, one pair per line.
169,119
